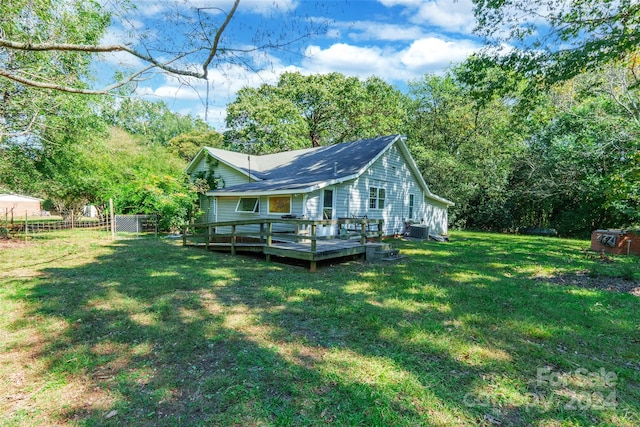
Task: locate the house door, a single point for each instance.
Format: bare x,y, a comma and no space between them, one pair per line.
328,212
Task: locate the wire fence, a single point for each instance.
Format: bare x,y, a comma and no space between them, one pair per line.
138,224
124,226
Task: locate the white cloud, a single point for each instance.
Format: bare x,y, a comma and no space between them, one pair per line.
344,58
454,16
431,53
425,55
406,3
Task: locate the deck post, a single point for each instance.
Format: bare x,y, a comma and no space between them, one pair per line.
269,240
312,266
363,232
313,238
380,231
261,232
208,236
233,240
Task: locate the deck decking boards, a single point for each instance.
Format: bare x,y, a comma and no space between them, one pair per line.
310,248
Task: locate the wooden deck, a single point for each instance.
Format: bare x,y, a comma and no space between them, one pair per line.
301,243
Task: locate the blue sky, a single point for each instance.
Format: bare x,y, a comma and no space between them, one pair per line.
396,40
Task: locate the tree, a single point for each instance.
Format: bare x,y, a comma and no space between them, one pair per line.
153,121
141,178
187,145
23,110
310,111
465,147
194,43
555,40
580,169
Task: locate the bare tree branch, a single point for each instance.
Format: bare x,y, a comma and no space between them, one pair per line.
194,59
70,89
216,41
113,48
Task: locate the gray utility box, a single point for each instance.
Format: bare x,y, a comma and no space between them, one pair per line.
419,231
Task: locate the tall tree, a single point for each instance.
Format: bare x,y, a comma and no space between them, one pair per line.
555,40
310,111
23,110
465,147
153,121
580,169
187,145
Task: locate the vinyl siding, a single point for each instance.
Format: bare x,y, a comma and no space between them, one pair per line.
229,175
227,212
392,173
313,206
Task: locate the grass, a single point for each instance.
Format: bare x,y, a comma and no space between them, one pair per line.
146,332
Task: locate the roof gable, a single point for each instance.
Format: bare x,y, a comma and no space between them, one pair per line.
302,166
311,168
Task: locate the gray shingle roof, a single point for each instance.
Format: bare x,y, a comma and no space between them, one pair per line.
296,170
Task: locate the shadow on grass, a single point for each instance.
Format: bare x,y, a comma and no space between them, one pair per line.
453,336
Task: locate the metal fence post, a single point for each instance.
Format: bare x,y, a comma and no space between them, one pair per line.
113,225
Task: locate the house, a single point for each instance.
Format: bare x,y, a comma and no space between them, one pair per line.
376,178
18,205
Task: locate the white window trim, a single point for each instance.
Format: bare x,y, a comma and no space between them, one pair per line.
279,213
333,202
377,208
412,206
256,206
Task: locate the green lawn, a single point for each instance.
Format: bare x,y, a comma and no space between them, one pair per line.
476,331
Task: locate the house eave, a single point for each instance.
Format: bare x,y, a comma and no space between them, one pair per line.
302,190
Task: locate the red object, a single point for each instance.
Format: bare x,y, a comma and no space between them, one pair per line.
619,242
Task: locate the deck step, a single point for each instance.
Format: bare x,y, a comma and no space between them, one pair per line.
382,252
388,253
394,258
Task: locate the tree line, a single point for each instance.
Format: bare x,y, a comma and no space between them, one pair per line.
509,154
546,134
566,157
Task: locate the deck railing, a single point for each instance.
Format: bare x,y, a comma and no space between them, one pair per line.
298,230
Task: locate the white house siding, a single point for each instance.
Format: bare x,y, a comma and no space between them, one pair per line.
208,208
313,205
436,217
229,175
226,211
392,173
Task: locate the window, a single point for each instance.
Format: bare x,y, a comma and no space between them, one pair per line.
376,198
248,204
410,206
327,206
280,205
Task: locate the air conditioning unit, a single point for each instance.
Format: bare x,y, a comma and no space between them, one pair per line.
419,231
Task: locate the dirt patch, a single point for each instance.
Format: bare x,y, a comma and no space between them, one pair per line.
583,280
6,243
